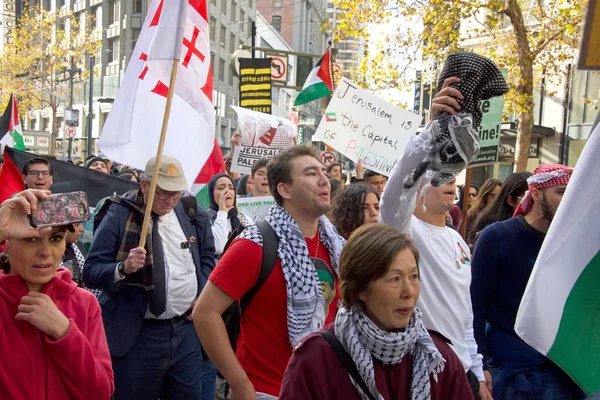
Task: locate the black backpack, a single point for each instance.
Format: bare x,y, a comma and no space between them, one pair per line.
232,316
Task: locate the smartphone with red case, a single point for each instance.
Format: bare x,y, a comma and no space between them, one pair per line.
61,209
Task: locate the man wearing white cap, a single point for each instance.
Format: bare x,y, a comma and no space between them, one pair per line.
148,293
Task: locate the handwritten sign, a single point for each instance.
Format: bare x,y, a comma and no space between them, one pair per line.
256,208
262,136
360,125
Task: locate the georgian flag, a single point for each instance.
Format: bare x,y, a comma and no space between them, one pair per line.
173,29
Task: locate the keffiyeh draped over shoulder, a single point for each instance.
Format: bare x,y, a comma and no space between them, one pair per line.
305,301
363,341
453,140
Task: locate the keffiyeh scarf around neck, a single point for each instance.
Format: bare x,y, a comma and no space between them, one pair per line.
454,141
305,301
363,340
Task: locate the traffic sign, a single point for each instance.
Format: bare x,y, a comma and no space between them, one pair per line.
279,69
328,158
71,131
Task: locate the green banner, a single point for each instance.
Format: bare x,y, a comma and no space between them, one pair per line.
490,129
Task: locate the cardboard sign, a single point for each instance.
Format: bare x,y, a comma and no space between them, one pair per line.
256,208
360,125
255,84
263,136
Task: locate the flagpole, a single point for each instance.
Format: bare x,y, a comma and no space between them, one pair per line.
331,66
161,145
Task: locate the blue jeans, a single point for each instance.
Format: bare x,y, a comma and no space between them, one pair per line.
164,362
209,377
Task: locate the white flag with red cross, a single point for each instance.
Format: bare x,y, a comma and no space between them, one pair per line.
173,29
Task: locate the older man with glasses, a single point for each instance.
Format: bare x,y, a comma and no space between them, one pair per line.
148,293
37,174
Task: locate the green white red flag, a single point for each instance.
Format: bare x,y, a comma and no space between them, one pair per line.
559,315
11,134
319,83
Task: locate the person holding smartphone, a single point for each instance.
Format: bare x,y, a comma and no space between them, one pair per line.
53,346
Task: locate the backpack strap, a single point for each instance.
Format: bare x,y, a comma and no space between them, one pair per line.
346,361
269,257
190,206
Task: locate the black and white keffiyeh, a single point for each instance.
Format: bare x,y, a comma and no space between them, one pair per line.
76,268
454,141
305,301
363,340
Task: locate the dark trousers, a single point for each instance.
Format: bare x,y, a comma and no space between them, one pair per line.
164,362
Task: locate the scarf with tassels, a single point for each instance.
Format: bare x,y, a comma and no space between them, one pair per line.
305,301
363,340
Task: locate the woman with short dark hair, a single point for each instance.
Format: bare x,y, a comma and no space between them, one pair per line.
380,328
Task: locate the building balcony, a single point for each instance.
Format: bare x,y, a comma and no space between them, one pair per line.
95,2
113,30
79,6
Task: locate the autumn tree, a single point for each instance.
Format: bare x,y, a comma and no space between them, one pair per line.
532,39
34,64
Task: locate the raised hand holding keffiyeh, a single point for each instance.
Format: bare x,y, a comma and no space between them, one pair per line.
453,140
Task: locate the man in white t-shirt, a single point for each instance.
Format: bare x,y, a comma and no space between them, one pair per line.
445,265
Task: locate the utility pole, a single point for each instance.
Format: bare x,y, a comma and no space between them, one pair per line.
253,33
90,145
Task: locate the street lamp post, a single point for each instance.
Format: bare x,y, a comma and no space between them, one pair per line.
72,71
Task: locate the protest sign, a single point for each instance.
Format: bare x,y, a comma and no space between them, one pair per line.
255,84
360,125
262,136
256,208
489,130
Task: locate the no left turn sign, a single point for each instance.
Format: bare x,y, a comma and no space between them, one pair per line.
279,68
71,131
327,158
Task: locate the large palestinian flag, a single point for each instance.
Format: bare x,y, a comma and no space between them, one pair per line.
559,315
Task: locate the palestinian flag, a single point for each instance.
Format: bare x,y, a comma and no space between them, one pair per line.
214,165
10,127
319,83
559,315
66,178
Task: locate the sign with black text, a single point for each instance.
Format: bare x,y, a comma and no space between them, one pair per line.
255,84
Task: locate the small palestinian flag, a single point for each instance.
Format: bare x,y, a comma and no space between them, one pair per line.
330,117
10,127
319,83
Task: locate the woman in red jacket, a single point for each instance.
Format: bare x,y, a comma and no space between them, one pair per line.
53,344
380,328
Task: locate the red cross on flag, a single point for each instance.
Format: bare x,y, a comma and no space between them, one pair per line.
173,30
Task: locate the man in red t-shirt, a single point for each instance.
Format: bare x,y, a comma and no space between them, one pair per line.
298,297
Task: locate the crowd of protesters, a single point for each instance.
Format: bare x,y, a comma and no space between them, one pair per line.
354,287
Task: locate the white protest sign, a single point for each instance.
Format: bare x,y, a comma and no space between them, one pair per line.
256,208
262,136
360,125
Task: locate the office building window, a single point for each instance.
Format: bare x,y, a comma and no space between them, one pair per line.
250,4
276,22
224,7
212,28
233,8
137,6
213,2
212,63
585,85
113,49
114,11
242,19
223,38
277,3
232,43
98,17
221,70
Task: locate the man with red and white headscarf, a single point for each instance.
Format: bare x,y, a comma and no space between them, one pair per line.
504,256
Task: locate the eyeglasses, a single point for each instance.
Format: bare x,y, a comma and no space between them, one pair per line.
472,194
35,174
166,196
